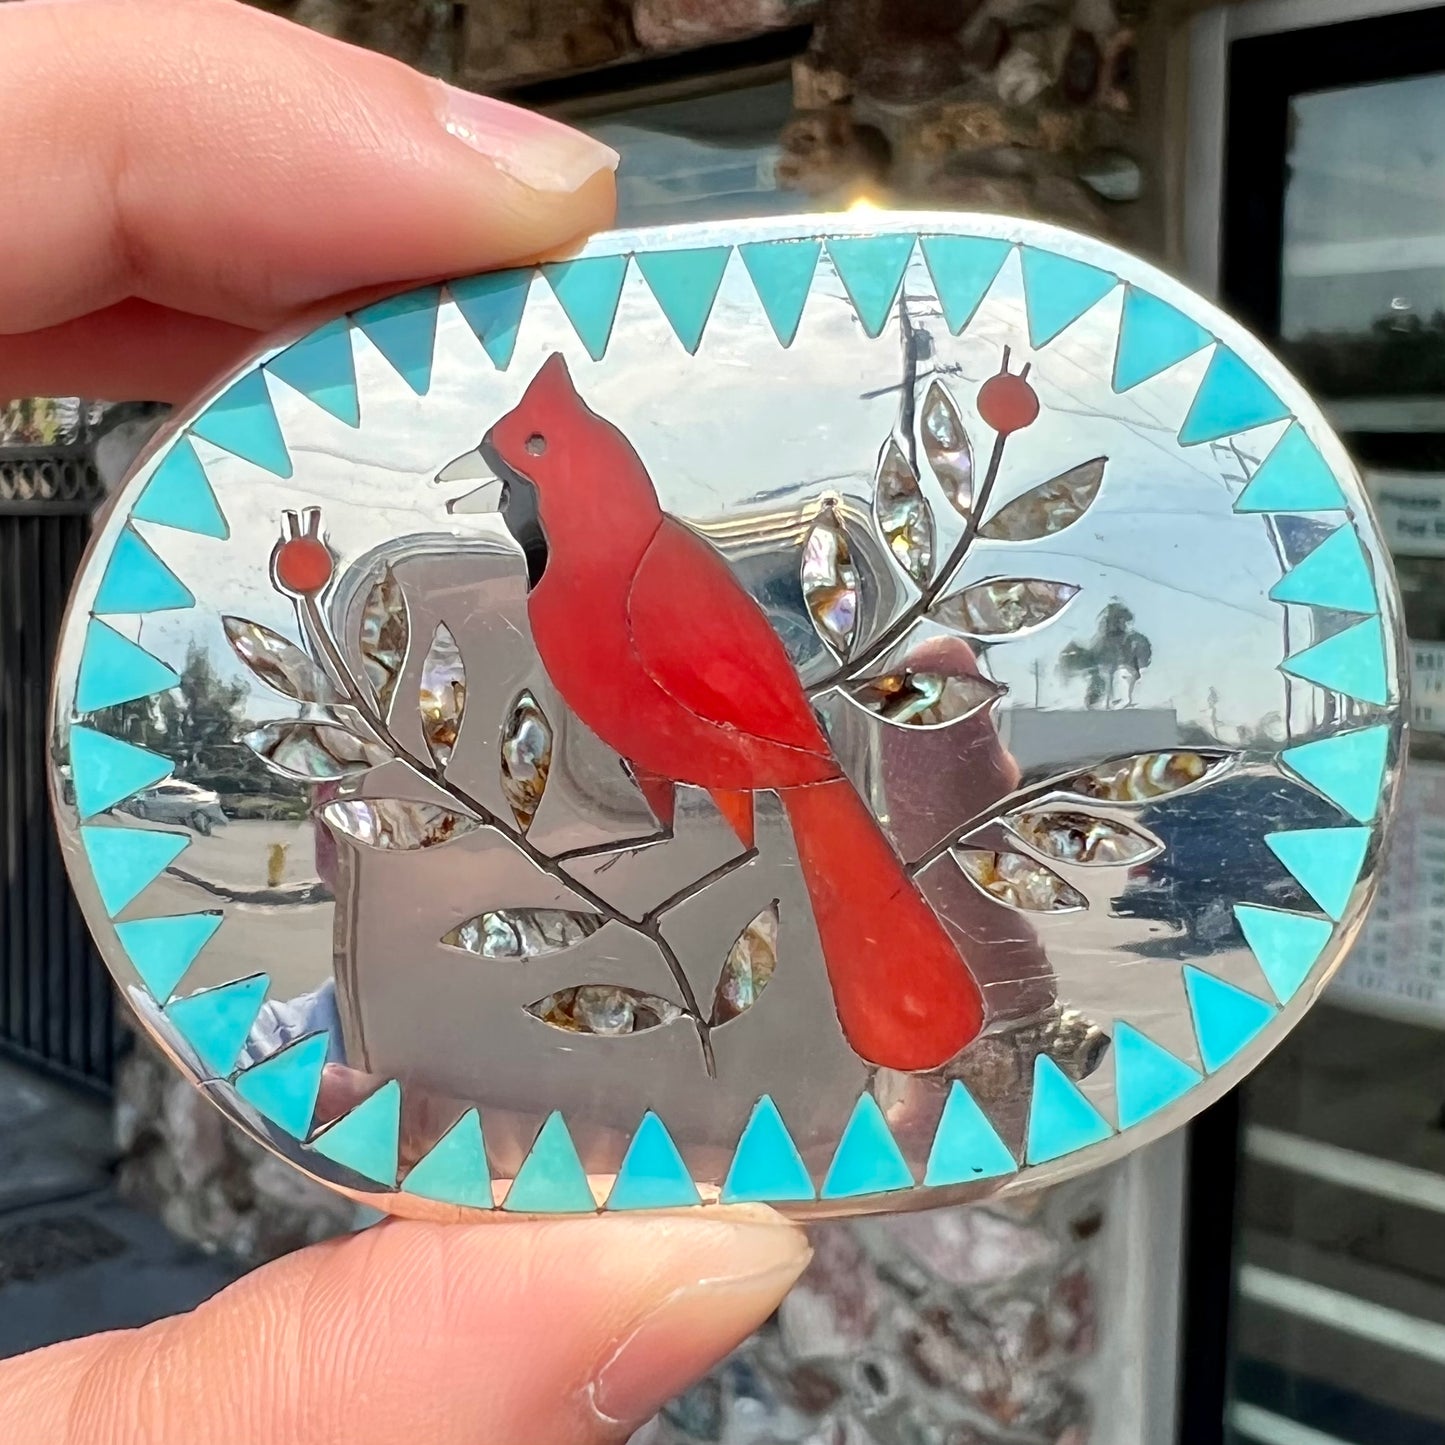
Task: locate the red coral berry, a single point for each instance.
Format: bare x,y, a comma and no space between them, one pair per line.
303,565
1007,403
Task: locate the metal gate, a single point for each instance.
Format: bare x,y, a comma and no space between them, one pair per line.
55,997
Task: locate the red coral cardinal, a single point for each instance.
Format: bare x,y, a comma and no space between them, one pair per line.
657,647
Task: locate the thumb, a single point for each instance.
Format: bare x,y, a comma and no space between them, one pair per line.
493,1334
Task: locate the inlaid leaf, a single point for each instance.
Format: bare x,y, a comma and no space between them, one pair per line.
385,630
1049,507
946,445
443,695
603,1008
904,516
312,751
1077,837
277,662
830,582
1003,607
748,967
1019,881
916,695
396,823
522,932
526,757
1145,776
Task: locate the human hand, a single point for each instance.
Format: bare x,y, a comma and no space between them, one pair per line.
182,175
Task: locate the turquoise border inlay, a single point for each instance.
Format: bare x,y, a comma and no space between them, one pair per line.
962,269
653,1174
588,292
366,1140
871,269
1294,477
454,1170
1147,1076
493,305
1153,336
322,366
178,495
1058,290
242,421
1325,862
1285,945
551,1179
1351,662
868,1159
217,1021
125,861
161,950
966,1146
1336,575
113,669
1226,1018
136,580
782,275
766,1167
106,770
284,1087
1061,1119
404,329
1348,768
685,284
1230,399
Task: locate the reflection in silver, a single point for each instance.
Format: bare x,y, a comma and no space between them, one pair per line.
1146,775
946,445
926,699
278,663
1006,606
313,752
1049,507
443,694
599,1008
749,966
522,932
903,514
384,631
396,823
830,581
526,757
1020,882
1078,838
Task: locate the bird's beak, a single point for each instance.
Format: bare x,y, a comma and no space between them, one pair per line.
472,467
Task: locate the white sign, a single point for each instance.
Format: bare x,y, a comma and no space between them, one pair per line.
1411,509
1427,686
1398,962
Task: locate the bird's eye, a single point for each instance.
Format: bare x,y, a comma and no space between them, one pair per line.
536,444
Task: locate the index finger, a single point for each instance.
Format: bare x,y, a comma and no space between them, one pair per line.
213,159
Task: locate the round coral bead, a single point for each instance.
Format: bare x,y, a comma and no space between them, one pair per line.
303,565
1007,403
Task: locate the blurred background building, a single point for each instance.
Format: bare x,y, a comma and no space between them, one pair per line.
1278,1276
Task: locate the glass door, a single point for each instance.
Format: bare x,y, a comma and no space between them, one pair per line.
1334,245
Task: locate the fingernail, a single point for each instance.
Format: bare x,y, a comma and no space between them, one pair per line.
542,154
696,1325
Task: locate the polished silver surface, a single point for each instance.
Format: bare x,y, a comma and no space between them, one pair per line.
1045,655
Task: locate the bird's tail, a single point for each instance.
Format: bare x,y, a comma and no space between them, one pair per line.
905,997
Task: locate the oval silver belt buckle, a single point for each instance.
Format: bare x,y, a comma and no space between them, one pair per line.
850,712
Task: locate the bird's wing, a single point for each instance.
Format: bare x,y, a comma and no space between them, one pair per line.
708,644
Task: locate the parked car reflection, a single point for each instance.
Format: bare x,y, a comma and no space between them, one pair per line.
175,801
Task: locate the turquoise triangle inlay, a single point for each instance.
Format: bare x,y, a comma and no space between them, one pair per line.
366,1140
1326,862
588,291
782,275
404,329
868,1160
215,1022
105,769
1147,1076
454,1170
492,305
653,1175
1153,336
1294,477
1351,662
1335,575
284,1087
243,422
178,495
162,949
113,669
126,860
871,269
966,1146
1061,1119
1230,399
136,580
1058,290
1286,945
963,268
1349,768
1225,1017
766,1167
551,1179
322,366
685,284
